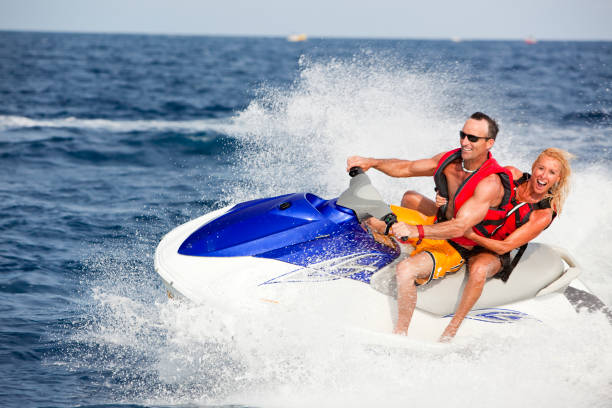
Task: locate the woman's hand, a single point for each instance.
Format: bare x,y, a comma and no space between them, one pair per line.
470,234
440,201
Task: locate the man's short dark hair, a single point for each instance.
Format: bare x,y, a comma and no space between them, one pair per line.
493,127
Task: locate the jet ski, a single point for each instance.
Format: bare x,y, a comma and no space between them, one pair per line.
301,253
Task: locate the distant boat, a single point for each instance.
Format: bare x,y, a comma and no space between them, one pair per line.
456,39
297,37
530,40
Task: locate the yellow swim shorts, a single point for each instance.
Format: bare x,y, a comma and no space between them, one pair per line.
445,258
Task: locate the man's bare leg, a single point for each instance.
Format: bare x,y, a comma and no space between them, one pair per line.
417,201
415,267
412,200
481,267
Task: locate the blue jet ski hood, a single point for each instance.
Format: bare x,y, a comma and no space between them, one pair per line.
299,228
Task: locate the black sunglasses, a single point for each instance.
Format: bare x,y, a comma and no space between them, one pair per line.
471,138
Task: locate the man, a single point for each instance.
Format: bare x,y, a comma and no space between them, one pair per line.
478,191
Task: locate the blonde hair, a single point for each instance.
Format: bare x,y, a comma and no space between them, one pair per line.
560,190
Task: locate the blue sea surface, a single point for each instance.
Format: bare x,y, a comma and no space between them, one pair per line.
107,142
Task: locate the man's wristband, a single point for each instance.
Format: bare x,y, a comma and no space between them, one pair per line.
421,234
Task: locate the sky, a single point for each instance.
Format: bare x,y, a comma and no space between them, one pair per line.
465,19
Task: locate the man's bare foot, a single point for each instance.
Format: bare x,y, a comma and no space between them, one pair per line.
384,239
376,225
372,226
401,332
448,334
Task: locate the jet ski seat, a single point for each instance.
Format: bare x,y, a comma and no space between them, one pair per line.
541,270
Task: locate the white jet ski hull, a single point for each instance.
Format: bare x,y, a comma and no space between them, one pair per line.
535,292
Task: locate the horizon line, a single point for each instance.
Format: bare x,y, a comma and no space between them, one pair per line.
284,36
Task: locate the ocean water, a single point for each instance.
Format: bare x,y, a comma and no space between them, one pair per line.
107,142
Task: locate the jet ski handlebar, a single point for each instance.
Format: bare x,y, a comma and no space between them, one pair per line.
354,171
365,200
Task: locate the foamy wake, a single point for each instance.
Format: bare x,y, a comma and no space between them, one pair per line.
186,126
245,354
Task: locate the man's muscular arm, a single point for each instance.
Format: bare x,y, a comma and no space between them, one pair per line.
473,211
396,167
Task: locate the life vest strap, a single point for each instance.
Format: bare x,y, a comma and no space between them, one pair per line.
509,263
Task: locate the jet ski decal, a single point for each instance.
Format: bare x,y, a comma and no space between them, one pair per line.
360,266
494,315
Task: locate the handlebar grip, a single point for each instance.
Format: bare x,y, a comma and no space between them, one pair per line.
355,171
389,219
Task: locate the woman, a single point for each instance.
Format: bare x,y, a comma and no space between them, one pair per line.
539,198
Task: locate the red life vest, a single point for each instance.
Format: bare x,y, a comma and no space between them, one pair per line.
519,213
517,217
495,216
